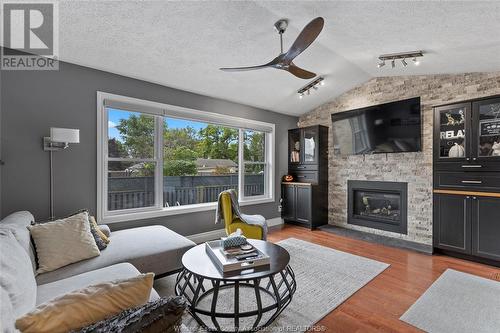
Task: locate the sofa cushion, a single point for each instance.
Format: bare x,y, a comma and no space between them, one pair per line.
7,318
18,223
63,242
83,307
16,273
150,249
46,292
163,315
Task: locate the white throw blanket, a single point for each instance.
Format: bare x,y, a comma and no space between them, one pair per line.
248,219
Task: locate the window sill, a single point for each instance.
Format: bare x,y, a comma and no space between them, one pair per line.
178,210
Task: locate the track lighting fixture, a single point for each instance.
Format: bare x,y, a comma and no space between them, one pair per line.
306,90
414,55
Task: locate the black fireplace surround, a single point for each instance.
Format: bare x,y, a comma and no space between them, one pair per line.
378,204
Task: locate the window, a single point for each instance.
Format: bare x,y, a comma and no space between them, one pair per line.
156,159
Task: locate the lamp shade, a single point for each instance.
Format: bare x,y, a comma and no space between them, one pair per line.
66,135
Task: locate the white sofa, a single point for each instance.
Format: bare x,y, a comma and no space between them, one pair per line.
131,251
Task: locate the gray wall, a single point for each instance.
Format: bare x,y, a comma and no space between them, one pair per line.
34,101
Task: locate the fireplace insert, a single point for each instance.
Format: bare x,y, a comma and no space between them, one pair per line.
378,204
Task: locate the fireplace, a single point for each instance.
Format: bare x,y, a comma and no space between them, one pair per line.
377,204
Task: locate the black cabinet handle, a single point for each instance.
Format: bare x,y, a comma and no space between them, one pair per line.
301,167
301,176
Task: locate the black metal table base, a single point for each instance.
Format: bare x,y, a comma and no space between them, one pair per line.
279,288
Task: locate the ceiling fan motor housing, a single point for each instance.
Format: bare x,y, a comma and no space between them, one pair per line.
281,25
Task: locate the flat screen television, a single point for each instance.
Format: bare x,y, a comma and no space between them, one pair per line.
386,128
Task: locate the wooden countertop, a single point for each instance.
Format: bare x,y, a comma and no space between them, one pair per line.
295,183
473,193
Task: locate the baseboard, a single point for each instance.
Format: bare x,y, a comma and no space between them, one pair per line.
275,221
207,236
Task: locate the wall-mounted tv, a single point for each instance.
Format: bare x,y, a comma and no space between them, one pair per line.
386,128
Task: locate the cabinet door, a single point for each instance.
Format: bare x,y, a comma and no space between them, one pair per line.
294,147
486,131
451,133
303,204
310,144
486,227
452,228
288,204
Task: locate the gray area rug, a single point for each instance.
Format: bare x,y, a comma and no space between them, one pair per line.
457,302
325,279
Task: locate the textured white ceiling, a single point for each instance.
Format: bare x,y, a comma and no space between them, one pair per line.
182,44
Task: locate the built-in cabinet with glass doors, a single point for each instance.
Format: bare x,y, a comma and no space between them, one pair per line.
304,201
467,179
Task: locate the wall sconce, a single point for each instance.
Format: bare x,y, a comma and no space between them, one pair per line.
59,139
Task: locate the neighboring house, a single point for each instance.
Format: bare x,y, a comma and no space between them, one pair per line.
209,166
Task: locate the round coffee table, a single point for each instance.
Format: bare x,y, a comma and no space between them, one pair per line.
200,280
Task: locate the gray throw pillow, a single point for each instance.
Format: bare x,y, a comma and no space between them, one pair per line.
101,244
162,315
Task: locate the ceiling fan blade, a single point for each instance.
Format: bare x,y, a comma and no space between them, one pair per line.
271,63
305,38
243,69
299,72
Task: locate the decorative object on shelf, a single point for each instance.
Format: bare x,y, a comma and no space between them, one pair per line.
456,151
59,139
320,81
414,55
294,156
284,60
288,178
451,120
496,149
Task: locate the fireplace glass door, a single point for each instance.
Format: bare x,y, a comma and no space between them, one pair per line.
376,205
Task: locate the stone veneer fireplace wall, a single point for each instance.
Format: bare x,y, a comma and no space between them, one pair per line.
413,168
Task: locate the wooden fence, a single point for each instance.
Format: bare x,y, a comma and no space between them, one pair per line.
175,196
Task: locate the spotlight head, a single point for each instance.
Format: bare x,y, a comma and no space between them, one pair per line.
308,92
315,88
301,95
381,64
322,83
393,63
416,62
403,61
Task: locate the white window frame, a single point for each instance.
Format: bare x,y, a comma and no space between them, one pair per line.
161,111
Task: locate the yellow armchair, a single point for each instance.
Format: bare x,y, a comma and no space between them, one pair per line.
232,223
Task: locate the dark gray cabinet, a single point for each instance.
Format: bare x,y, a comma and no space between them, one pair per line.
296,203
303,204
452,229
467,224
486,227
305,200
467,179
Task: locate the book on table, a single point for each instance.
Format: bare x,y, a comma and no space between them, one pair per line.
233,259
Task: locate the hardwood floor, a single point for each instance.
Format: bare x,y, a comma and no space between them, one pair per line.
377,306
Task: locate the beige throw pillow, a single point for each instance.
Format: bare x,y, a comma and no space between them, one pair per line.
86,306
63,242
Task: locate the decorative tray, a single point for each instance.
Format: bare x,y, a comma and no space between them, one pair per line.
226,263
